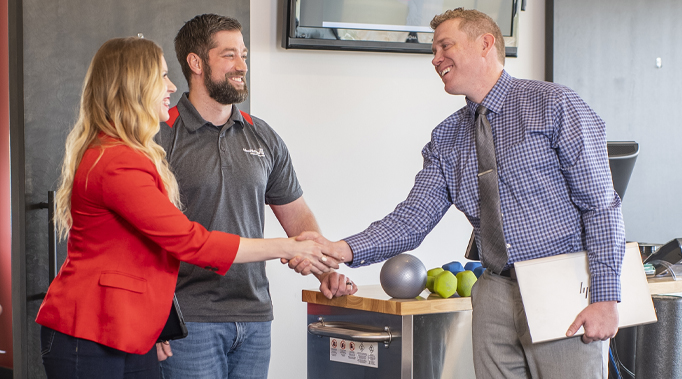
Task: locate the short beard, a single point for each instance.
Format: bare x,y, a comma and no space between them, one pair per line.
223,91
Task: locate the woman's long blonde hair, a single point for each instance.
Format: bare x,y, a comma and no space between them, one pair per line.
121,92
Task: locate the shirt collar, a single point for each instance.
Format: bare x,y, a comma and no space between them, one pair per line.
193,120
495,98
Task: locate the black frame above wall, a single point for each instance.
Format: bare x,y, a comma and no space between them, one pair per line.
329,38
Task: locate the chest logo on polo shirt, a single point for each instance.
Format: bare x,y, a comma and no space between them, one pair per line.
258,153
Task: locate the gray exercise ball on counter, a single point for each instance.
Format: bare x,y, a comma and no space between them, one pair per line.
403,276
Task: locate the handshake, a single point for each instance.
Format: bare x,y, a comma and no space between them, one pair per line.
311,253
314,254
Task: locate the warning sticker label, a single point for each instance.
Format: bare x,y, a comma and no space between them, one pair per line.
353,352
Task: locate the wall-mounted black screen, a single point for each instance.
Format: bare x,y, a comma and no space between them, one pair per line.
383,25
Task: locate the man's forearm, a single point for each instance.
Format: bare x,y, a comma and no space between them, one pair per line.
295,217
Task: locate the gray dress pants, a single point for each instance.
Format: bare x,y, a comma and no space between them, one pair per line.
502,346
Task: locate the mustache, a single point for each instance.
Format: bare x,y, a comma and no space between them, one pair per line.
233,74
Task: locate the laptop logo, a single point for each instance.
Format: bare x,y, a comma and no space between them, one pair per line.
258,153
584,290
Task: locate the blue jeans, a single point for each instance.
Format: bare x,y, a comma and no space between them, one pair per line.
70,357
220,350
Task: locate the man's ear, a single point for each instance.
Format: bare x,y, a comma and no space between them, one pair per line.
195,63
487,43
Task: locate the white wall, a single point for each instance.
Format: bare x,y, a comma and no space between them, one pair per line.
355,124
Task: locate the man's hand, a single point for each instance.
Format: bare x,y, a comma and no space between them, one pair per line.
339,250
334,284
320,257
599,320
163,350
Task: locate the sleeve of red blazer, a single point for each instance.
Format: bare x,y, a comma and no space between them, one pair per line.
130,188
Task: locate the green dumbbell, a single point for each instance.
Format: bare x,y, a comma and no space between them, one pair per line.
445,284
429,283
465,280
431,276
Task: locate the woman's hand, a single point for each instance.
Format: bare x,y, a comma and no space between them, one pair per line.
339,251
313,252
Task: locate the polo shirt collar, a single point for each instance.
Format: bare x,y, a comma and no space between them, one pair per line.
193,120
495,98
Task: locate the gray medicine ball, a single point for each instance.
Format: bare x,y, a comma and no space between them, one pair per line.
403,276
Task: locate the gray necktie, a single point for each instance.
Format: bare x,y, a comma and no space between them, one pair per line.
493,246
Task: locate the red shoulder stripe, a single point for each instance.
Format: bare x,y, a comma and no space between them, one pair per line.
173,113
247,117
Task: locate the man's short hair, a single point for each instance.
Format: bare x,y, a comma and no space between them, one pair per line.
474,24
196,36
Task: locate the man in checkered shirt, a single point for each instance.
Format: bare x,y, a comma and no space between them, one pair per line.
556,197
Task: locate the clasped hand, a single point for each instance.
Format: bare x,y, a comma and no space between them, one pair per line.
319,258
332,283
339,251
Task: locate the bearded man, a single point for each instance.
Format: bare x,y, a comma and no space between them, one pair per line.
229,166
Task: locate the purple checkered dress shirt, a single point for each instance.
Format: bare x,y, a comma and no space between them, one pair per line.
555,184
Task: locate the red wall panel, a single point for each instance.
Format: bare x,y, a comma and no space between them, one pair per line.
6,355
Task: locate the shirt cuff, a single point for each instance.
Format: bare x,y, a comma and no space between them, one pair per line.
363,250
220,249
604,288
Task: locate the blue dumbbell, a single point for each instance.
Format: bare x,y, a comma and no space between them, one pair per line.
471,266
454,267
478,271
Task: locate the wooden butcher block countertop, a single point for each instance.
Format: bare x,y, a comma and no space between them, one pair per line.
372,298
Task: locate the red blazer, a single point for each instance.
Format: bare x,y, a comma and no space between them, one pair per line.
124,251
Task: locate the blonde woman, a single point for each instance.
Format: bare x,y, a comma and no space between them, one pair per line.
118,202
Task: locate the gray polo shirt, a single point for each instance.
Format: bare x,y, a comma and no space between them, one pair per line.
227,174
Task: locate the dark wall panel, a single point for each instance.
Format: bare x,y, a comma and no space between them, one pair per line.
59,39
606,50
